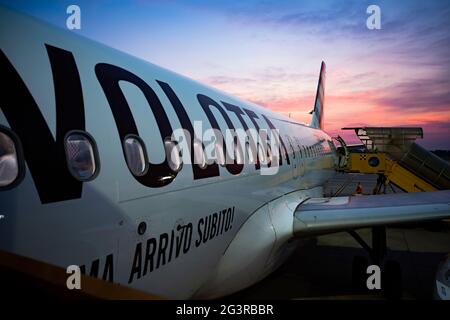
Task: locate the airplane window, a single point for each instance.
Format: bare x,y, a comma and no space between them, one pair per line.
174,155
136,155
261,155
199,154
292,148
220,156
285,153
251,157
299,148
9,164
81,155
269,155
239,156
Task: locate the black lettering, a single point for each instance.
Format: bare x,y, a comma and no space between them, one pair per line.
44,155
108,270
187,238
109,76
137,263
172,236
238,112
223,213
149,255
232,218
207,227
219,216
252,117
94,268
211,170
212,232
179,240
227,225
198,242
282,145
163,240
206,103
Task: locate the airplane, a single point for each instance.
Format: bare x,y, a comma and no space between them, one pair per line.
92,175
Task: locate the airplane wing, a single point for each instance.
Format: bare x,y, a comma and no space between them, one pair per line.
327,215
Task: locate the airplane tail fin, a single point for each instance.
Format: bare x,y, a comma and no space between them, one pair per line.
319,105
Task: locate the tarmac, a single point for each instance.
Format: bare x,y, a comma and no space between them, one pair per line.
321,267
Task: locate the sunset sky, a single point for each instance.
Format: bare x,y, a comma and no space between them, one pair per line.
269,52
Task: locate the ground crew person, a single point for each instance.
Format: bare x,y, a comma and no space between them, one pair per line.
359,188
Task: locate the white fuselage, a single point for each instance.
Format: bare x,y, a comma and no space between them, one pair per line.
173,257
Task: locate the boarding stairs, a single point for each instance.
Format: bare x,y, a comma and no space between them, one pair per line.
393,154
